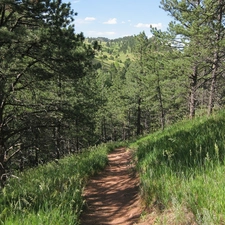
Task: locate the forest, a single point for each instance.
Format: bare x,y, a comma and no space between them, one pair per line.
67,100
61,92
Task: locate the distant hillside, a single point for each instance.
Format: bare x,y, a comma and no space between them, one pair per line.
104,39
116,51
91,39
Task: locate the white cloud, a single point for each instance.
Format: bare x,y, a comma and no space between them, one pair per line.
147,25
76,1
109,33
111,21
97,33
142,25
90,19
80,21
87,20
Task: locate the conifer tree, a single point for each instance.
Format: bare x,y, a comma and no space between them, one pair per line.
39,54
200,26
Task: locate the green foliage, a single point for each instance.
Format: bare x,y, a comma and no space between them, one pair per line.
198,29
186,162
59,95
45,68
52,193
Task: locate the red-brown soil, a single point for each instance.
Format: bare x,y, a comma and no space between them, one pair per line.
112,196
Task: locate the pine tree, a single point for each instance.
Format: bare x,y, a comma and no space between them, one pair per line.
40,54
196,22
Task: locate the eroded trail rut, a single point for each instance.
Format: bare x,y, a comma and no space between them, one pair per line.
112,196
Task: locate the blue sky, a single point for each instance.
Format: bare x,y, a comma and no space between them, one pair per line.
118,18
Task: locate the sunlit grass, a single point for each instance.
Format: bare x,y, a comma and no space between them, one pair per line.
52,193
185,163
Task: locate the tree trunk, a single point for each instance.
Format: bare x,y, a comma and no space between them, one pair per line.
2,147
2,156
2,162
139,117
124,131
57,141
212,90
193,88
162,112
216,59
77,136
128,126
103,131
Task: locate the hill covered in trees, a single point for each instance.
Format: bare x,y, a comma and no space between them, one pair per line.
148,83
61,93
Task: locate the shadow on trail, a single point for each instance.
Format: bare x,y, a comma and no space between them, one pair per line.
112,196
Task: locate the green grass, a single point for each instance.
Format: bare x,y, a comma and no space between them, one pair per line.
181,170
185,164
118,57
52,193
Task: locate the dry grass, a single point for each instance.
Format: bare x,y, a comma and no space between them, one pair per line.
168,217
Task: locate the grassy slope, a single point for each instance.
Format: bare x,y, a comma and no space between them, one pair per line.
118,57
182,171
52,193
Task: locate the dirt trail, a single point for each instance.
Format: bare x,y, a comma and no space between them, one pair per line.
112,196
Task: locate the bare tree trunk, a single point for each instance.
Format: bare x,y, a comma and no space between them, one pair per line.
212,90
193,88
57,141
139,117
124,131
103,131
2,163
2,147
77,136
162,112
2,151
128,132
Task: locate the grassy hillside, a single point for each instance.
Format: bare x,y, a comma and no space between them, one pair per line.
115,51
182,171
52,193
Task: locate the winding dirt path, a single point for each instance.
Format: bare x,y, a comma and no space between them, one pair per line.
112,196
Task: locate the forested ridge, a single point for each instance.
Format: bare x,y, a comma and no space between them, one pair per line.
61,92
